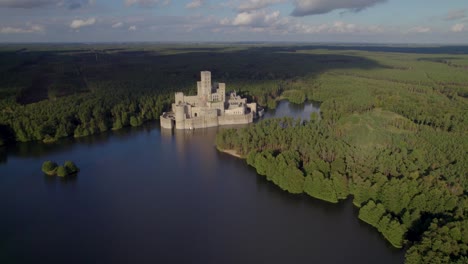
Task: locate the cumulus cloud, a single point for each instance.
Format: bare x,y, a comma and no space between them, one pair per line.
456,15
253,19
78,23
19,30
458,28
419,30
194,4
28,4
342,27
117,25
261,21
337,27
146,3
315,7
132,28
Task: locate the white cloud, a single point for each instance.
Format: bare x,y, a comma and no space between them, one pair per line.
254,19
132,28
419,30
247,19
117,25
19,30
194,4
77,23
146,3
273,23
458,28
314,7
342,27
337,27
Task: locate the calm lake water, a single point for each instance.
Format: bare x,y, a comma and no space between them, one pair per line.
148,196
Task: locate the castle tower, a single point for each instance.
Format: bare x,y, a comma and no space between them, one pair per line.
205,83
222,92
180,116
179,98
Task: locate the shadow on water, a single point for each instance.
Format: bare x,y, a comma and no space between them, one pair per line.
286,109
3,155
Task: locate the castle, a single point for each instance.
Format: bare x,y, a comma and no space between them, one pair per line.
209,108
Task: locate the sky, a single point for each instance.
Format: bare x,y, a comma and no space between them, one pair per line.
347,21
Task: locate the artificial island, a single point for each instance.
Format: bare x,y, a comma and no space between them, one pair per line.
209,108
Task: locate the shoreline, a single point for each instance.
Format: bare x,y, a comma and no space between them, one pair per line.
231,152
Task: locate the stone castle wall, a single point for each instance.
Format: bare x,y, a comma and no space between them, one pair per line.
209,121
235,119
166,122
200,122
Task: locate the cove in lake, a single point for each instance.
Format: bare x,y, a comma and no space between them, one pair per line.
146,195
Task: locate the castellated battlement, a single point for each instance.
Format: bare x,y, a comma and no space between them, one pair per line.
209,108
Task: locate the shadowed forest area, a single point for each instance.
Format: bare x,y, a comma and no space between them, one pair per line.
391,132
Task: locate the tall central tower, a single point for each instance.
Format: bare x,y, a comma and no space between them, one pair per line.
204,86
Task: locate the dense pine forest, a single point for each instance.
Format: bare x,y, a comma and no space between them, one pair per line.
391,137
391,134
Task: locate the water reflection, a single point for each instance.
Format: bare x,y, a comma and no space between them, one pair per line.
198,142
3,155
69,179
286,109
53,180
50,179
39,149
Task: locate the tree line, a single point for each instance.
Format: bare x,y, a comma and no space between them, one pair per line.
413,180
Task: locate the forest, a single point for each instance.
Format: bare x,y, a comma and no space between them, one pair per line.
391,133
392,138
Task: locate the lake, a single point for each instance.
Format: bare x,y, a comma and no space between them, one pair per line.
145,195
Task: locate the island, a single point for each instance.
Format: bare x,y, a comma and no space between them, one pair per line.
51,168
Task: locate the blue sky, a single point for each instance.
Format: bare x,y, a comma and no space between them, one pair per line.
373,21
